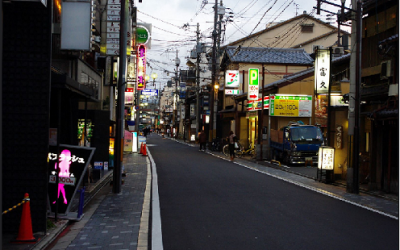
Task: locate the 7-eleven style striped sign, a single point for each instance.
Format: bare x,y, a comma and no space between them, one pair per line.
256,105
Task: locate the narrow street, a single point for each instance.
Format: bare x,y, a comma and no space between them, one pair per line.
211,203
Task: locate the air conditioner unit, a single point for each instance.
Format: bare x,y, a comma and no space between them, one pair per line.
338,51
314,47
386,69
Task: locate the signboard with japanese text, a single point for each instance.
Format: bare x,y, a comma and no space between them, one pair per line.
326,157
232,79
321,110
129,92
143,34
232,92
322,70
252,93
70,166
290,106
141,67
150,92
339,136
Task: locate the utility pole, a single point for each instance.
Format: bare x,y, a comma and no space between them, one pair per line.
261,116
197,79
177,62
356,149
213,72
354,95
119,139
137,106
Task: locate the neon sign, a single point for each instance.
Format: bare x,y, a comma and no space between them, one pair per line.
70,167
141,67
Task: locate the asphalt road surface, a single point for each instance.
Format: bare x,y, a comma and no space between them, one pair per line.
210,203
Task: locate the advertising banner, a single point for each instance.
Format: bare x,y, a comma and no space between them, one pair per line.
141,67
71,168
128,141
321,110
290,106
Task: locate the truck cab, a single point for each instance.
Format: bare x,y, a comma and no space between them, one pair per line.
300,144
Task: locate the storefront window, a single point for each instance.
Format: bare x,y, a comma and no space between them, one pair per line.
81,132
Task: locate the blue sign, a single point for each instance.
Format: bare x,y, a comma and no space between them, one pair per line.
150,92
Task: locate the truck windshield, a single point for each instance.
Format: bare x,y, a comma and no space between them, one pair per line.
306,134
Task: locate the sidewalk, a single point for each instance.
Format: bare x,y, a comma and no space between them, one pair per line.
110,220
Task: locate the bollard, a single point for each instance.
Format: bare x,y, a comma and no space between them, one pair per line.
81,202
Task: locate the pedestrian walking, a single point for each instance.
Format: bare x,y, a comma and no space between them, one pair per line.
231,140
202,140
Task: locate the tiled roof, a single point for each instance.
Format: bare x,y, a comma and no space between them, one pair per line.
268,55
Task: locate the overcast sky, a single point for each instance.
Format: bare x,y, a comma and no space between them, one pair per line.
249,16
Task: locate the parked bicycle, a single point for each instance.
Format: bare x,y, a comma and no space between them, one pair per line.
250,151
238,150
215,145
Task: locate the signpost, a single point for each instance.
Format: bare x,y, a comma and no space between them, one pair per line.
252,93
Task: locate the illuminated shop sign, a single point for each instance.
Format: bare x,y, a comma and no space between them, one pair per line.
141,67
290,106
256,105
232,78
72,165
322,70
252,93
142,34
326,156
150,92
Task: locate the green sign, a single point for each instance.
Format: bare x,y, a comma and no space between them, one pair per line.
253,77
290,106
142,35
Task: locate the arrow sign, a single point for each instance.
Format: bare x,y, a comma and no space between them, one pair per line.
253,97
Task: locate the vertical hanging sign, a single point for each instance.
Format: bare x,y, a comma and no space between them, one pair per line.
141,67
252,93
322,70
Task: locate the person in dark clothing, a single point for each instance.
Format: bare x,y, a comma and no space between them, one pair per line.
231,140
202,140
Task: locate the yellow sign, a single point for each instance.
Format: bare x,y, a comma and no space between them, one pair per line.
284,107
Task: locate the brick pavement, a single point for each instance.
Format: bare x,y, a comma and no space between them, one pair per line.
117,221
